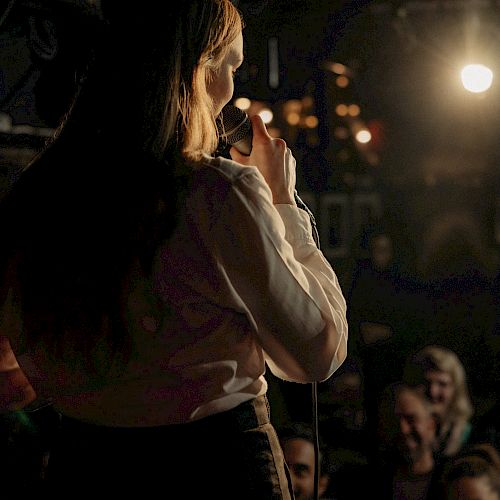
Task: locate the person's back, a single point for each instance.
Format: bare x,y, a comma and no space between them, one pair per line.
149,287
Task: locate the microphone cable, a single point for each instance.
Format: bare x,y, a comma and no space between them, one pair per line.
314,386
303,206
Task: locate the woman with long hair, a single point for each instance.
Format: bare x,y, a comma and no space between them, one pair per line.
147,284
440,374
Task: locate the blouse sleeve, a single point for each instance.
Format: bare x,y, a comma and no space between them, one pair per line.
287,288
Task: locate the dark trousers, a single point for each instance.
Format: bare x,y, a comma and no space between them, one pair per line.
233,455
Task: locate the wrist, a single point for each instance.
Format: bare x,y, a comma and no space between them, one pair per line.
283,200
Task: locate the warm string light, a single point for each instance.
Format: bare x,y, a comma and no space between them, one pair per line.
299,114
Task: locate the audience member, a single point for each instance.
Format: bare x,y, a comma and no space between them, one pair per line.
406,467
441,376
298,442
473,474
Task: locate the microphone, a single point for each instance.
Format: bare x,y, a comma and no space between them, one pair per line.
235,129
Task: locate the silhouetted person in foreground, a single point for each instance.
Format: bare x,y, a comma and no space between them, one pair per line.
146,283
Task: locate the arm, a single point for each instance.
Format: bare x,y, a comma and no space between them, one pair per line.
292,294
287,288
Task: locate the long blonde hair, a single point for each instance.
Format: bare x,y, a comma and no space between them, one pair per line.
196,107
198,44
110,187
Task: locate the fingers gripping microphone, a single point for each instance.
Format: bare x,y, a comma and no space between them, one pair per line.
235,129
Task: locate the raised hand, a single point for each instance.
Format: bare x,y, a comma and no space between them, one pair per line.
274,161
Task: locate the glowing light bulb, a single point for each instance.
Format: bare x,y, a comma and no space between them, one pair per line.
476,78
266,115
363,136
243,103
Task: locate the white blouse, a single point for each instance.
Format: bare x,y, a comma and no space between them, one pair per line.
240,284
